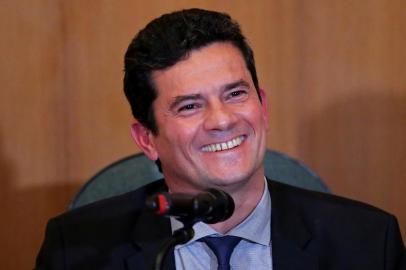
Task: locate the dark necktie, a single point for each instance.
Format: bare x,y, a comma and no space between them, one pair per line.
222,247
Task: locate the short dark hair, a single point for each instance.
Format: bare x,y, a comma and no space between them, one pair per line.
169,39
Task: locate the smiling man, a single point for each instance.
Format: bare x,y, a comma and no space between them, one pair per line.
211,127
191,82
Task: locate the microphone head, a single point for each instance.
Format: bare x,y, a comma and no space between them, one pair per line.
211,206
220,206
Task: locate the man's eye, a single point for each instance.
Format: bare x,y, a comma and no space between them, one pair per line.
188,107
237,93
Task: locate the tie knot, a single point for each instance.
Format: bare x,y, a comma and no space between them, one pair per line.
222,247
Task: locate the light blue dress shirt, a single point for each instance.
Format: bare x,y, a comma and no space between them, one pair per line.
253,252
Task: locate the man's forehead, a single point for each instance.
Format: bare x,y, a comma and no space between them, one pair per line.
219,65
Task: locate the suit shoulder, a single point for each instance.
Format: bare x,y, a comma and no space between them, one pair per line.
346,226
114,207
323,203
85,237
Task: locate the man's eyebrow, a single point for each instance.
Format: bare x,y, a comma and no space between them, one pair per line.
179,99
235,85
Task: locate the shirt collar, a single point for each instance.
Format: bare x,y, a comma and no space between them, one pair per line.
255,228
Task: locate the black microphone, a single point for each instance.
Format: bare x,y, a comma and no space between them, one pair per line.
210,207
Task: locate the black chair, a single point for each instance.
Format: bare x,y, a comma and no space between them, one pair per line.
137,170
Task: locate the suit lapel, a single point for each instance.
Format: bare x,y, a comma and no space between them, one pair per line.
149,234
292,244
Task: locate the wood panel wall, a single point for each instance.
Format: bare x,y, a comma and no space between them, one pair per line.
334,71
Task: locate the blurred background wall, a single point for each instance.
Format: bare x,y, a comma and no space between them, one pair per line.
334,71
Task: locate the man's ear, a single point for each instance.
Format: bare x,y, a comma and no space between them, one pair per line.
264,105
143,137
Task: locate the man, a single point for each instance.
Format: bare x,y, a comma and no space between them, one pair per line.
191,82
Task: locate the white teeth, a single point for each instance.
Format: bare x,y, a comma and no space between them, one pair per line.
224,145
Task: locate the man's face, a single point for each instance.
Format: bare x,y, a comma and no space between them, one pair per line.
211,123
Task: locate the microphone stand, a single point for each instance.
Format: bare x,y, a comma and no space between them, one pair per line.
210,207
180,236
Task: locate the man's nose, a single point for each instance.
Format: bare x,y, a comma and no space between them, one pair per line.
219,116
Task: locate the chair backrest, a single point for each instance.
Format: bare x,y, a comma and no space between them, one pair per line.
137,170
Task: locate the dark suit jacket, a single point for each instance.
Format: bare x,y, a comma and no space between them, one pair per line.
310,231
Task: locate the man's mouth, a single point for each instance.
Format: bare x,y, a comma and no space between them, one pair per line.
224,145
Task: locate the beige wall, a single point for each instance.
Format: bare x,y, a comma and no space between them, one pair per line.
334,71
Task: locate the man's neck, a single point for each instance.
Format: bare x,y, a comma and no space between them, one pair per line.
245,200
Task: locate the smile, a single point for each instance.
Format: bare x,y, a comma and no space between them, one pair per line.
224,145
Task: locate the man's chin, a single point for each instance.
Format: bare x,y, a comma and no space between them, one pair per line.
229,181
